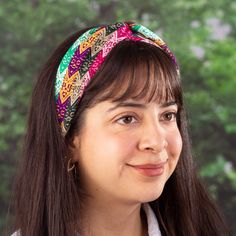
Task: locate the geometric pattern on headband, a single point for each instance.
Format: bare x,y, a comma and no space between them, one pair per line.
85,57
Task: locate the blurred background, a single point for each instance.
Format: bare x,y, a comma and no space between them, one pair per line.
202,34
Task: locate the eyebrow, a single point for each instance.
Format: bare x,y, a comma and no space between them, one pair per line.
138,105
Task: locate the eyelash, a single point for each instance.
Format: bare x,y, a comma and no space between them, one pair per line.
173,118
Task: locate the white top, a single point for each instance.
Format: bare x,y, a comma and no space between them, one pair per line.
153,226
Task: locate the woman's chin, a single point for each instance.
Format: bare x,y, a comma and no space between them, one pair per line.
149,196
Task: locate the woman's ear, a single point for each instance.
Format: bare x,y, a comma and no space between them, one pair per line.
74,147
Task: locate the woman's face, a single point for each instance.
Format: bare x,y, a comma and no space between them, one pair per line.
126,151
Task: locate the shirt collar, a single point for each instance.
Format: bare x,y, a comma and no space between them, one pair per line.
153,226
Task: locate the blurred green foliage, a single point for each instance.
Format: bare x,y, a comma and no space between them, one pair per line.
202,34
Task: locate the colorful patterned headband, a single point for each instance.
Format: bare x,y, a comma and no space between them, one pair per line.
84,58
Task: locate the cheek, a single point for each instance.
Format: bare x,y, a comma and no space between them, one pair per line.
120,148
103,156
107,147
174,149
176,145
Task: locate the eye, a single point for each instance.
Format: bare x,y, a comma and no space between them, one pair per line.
125,120
169,116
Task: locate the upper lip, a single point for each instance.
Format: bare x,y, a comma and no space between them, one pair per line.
149,165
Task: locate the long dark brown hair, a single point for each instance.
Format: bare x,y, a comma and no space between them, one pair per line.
48,198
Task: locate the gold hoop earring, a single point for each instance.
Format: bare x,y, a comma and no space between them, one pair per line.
70,166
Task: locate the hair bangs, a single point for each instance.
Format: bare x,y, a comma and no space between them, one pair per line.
137,70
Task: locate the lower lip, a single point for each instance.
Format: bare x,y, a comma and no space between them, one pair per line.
151,172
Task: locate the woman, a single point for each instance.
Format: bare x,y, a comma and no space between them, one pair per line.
107,150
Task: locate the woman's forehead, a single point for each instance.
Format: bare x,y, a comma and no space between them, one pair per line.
140,103
107,107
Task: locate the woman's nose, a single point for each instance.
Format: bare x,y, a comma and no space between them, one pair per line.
152,138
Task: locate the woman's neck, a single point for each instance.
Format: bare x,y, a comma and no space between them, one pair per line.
106,219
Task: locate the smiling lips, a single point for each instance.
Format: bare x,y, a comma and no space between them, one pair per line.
150,170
